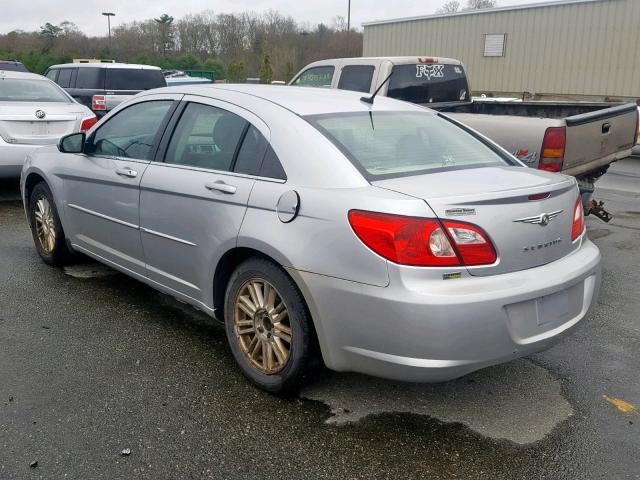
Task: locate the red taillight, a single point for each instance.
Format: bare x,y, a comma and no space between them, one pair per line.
98,102
427,60
637,126
87,123
552,156
422,242
578,220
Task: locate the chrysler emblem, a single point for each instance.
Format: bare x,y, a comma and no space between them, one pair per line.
543,219
40,114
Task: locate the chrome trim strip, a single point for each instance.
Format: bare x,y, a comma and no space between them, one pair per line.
105,217
542,219
169,237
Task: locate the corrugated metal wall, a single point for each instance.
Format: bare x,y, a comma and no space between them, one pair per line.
573,49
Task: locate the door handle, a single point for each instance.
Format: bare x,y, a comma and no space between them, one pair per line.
220,186
127,172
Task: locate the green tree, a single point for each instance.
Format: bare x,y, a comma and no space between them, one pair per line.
237,72
290,72
216,66
49,33
165,32
266,70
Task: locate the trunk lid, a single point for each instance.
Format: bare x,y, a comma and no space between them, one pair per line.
497,199
20,124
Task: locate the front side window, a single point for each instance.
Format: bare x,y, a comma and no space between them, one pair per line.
28,90
51,74
315,77
428,83
394,144
131,132
356,78
206,137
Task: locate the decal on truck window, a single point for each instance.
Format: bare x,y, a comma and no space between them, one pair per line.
429,71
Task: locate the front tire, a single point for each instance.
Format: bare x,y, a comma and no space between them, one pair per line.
46,228
268,326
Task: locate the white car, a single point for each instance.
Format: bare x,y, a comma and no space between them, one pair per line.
34,111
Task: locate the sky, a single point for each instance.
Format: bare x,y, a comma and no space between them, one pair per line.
30,14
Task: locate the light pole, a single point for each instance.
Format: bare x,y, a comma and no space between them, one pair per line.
109,15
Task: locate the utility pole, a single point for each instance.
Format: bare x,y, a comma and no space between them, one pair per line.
109,15
349,17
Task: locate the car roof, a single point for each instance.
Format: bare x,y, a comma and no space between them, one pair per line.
106,65
398,60
299,100
21,75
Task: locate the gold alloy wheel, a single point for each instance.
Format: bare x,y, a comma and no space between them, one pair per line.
262,326
45,225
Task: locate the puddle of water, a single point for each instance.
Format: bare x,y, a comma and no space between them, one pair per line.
517,401
89,271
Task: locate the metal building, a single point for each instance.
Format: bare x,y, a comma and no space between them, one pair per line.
586,49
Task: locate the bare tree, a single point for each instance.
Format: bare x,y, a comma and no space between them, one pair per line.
480,4
452,6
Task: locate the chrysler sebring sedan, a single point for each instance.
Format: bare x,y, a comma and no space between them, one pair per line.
382,237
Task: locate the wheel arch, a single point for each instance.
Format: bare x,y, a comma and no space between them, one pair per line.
225,268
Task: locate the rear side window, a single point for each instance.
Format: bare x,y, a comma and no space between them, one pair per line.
206,137
428,83
315,77
133,79
64,78
251,152
271,166
356,77
90,78
132,131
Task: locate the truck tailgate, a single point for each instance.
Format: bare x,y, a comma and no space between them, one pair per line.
597,138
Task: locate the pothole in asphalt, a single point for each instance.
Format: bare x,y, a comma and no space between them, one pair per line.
518,401
89,270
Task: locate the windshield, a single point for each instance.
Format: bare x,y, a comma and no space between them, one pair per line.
428,83
394,144
134,79
28,90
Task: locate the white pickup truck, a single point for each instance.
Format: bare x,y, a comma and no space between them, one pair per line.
576,138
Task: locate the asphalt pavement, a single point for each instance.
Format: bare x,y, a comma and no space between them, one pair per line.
101,377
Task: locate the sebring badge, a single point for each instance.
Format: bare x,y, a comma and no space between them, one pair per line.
40,114
543,219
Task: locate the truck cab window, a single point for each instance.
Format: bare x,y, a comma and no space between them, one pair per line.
356,78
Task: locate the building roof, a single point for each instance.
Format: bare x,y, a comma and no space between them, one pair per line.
555,3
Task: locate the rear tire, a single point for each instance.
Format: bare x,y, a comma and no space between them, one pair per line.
268,326
46,228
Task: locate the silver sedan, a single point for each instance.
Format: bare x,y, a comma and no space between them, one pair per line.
383,237
34,111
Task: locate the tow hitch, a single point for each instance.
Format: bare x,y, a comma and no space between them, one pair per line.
596,208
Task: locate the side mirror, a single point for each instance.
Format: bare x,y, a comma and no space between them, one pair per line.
72,143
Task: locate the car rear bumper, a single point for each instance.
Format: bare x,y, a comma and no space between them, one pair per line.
12,158
436,330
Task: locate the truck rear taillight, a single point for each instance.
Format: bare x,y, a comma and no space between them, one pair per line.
578,219
552,156
87,123
99,102
423,242
427,60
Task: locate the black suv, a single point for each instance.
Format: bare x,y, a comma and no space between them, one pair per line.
102,86
12,66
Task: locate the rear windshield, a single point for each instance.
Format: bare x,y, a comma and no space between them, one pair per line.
395,144
428,83
133,79
27,90
12,66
